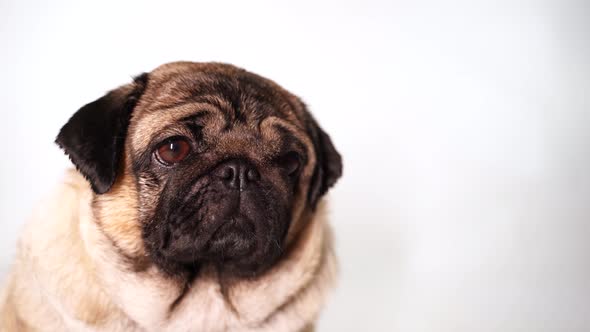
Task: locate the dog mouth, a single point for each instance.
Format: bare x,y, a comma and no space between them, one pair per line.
233,239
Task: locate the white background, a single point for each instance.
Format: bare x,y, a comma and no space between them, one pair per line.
464,128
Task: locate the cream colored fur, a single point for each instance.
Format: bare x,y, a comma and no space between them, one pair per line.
67,277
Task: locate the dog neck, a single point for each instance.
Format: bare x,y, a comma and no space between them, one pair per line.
288,296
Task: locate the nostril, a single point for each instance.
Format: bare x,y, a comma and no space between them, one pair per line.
227,173
236,174
252,175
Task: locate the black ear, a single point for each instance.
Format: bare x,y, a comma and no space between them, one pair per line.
94,136
328,167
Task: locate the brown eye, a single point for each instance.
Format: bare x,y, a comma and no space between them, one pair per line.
173,150
290,162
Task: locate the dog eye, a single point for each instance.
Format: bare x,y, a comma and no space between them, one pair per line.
173,150
290,162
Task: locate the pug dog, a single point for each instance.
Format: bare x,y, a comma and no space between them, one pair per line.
196,205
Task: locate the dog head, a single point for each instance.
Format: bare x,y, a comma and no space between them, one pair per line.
201,163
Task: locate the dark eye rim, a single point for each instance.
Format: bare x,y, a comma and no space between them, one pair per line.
168,140
287,159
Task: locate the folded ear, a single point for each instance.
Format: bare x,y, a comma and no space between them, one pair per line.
94,136
328,165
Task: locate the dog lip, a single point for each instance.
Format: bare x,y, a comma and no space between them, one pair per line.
214,233
228,223
241,225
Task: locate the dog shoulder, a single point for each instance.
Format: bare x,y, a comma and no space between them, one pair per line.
53,217
52,276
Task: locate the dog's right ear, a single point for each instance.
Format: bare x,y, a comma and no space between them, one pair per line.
94,136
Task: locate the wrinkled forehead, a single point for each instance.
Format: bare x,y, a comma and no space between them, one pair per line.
238,102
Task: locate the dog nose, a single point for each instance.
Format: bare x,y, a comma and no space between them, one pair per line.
237,174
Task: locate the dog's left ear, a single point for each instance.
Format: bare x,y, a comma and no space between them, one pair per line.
328,165
94,136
